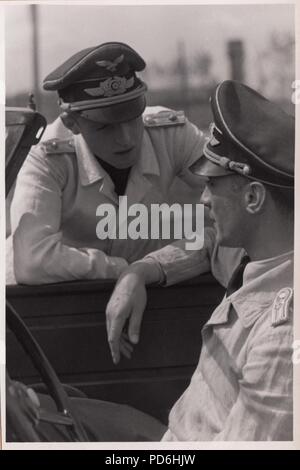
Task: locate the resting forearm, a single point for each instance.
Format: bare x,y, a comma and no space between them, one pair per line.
148,271
52,261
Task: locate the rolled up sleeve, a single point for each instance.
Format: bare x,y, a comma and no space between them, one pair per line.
179,264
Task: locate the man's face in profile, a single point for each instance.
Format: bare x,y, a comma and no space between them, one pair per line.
224,203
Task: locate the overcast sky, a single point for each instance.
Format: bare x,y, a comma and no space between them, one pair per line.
154,31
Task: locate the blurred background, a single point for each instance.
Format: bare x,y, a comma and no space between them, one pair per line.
188,49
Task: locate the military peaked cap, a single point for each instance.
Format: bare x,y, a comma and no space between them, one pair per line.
101,83
250,136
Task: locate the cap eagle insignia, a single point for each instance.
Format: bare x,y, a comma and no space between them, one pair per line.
110,65
213,141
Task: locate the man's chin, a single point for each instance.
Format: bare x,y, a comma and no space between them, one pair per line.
123,166
122,162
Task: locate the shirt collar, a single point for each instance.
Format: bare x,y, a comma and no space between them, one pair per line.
258,268
261,281
91,171
89,168
147,164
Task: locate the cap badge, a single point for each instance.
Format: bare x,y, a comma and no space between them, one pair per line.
110,87
213,141
111,65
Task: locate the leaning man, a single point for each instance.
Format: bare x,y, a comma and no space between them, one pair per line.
242,386
115,148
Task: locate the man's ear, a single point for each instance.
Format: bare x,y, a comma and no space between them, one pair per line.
255,196
69,122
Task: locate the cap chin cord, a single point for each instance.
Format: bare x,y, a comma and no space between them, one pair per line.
241,168
238,167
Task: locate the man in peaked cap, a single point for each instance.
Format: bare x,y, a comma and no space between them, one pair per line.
104,145
242,386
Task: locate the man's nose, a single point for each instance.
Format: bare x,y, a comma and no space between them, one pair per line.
205,197
122,134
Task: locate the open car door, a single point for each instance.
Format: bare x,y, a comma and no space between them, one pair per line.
24,128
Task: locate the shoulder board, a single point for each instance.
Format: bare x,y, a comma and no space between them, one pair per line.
57,146
281,306
165,118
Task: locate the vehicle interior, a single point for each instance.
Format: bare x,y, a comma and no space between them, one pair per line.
56,333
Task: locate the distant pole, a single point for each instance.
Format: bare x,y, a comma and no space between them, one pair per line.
183,73
236,57
35,53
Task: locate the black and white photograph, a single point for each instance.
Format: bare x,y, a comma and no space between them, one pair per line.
149,225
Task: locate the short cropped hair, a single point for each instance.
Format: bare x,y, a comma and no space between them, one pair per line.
283,197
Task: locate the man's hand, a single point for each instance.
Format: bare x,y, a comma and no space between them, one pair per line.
25,398
128,302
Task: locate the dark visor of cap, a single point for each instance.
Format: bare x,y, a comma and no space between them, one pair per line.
206,168
119,112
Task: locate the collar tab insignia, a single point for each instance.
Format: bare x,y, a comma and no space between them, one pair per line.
281,306
214,131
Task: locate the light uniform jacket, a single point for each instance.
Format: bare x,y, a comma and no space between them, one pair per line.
60,187
242,386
